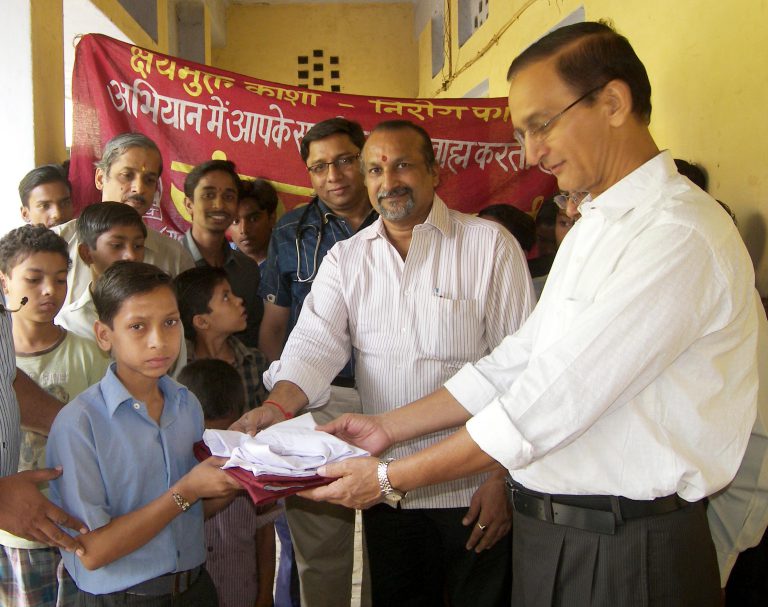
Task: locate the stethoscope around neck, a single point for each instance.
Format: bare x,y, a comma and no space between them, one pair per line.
301,229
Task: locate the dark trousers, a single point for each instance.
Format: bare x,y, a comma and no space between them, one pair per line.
658,561
748,583
200,594
418,558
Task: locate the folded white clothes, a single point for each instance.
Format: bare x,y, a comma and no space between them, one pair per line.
290,448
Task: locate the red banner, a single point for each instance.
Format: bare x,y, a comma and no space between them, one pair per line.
195,113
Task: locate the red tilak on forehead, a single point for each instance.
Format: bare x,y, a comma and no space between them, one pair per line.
383,158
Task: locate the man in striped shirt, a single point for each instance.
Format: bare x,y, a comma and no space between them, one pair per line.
24,511
414,296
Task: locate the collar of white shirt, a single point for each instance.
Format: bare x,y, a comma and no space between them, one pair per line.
634,189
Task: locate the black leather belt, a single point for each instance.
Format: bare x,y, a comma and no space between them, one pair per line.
170,583
343,382
599,513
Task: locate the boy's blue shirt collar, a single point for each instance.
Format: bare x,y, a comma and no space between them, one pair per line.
116,394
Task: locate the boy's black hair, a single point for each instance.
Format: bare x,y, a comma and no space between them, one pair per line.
547,213
101,217
22,242
194,290
122,280
48,173
519,223
201,170
260,191
694,172
217,385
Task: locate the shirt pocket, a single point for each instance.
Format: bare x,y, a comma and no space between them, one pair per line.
456,330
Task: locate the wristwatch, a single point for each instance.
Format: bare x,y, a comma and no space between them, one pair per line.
391,495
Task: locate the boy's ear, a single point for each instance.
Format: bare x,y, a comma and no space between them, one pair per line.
84,251
200,322
25,214
103,335
4,282
189,205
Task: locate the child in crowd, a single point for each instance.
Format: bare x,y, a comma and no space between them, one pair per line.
33,267
212,314
108,232
45,196
241,538
256,216
125,446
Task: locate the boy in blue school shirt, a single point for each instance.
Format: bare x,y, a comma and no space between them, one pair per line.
125,445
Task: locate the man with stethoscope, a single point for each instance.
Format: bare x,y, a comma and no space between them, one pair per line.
323,534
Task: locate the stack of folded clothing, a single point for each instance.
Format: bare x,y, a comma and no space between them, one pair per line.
278,461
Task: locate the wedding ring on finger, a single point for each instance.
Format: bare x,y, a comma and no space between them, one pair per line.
482,527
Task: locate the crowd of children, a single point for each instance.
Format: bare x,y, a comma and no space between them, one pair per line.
124,441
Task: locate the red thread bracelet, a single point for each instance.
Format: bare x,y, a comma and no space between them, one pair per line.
285,413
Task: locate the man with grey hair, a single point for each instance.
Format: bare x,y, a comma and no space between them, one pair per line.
128,172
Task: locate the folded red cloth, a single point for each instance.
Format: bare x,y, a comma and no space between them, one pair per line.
256,486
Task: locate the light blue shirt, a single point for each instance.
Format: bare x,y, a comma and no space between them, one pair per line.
117,459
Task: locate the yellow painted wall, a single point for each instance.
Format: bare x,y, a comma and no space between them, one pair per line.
708,65
47,35
377,51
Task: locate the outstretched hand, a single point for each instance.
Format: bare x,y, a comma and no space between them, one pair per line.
356,484
208,480
364,431
257,420
27,513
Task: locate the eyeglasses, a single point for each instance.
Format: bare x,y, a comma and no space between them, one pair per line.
561,200
342,163
539,133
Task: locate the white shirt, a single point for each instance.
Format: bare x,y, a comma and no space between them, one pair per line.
410,324
79,316
160,250
738,514
636,374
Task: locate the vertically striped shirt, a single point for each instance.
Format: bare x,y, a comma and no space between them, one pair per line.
10,429
412,323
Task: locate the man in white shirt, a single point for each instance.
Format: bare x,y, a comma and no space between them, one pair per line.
414,296
128,172
629,394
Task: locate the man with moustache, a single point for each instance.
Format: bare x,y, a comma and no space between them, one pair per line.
323,534
128,172
628,396
413,297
